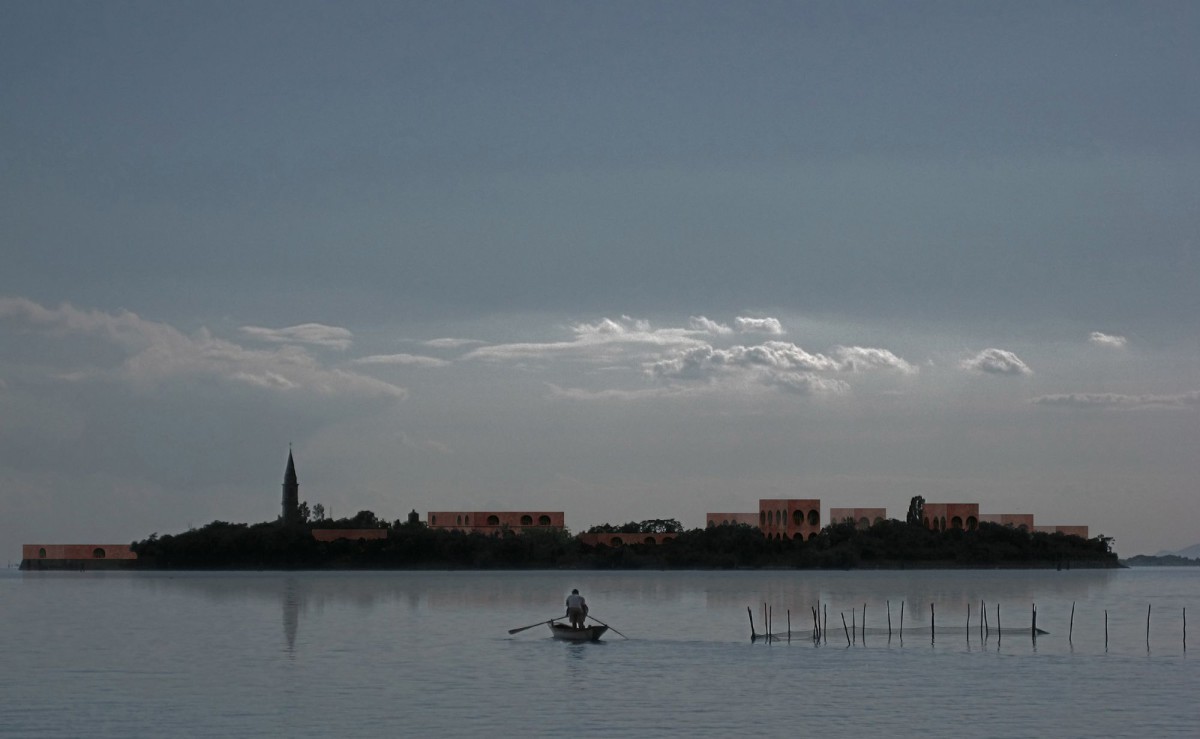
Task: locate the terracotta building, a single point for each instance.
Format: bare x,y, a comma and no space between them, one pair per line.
76,556
1023,521
618,539
352,534
787,518
724,519
1081,531
943,516
862,517
493,522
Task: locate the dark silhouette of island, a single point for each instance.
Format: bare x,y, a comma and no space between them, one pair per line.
889,544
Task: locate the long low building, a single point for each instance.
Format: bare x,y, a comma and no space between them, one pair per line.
493,522
76,556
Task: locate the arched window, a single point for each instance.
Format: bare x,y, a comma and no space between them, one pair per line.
956,522
526,520
650,540
467,519
863,523
942,525
762,519
42,553
97,553
972,523
798,517
493,520
458,520
616,541
711,523
814,517
543,520
432,520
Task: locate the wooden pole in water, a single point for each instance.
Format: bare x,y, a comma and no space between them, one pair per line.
825,624
889,609
789,623
1106,629
1033,628
999,631
1147,626
816,625
845,629
864,623
854,622
932,622
902,619
1185,629
968,623
984,631
750,613
1071,628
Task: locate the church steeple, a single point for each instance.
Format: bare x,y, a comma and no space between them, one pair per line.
291,493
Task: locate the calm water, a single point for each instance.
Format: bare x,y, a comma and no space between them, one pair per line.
416,654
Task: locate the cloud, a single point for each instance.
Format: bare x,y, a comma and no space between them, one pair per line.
313,334
769,326
862,359
996,362
155,353
1115,400
448,343
777,364
409,360
1099,339
604,340
704,325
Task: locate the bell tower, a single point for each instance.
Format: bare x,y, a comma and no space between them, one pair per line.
291,493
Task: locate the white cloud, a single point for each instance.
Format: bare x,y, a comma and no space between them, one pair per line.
1116,400
996,362
313,334
776,363
1101,339
861,359
769,326
410,360
448,343
156,353
604,340
700,323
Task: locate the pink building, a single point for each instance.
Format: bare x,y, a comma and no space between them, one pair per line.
942,516
352,534
493,522
617,539
1081,531
1023,521
863,518
787,518
76,556
724,519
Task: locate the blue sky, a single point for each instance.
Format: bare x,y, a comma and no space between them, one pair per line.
626,260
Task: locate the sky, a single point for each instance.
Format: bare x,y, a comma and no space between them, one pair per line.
626,260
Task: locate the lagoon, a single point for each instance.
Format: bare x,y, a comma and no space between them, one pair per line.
300,654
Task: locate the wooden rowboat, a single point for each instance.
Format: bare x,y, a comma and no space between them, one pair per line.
569,633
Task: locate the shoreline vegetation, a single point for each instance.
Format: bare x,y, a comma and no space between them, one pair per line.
889,544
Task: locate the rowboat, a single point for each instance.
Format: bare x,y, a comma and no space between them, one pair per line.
570,633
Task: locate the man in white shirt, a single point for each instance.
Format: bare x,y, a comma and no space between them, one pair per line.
577,609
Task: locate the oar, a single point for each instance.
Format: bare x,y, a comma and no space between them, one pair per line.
604,624
530,626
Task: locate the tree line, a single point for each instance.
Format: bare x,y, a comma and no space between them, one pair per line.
413,545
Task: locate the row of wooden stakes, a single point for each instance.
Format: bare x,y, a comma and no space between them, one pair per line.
820,616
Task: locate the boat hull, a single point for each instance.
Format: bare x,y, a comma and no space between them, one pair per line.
567,633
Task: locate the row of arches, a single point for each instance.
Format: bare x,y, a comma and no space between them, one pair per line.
956,522
779,516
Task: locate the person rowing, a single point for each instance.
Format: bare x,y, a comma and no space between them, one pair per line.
577,609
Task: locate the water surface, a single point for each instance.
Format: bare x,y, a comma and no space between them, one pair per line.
421,653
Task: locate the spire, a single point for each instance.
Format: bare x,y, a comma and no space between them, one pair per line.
291,492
